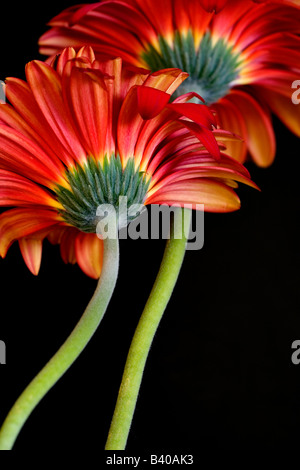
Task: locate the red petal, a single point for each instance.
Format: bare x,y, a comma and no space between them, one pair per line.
188,96
18,191
104,27
162,19
199,165
214,5
81,12
67,54
198,113
205,136
151,101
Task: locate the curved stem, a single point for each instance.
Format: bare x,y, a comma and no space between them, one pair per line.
144,334
68,352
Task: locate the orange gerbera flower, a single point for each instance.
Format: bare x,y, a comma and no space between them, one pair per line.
80,133
242,59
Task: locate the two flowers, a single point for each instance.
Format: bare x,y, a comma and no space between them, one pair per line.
78,118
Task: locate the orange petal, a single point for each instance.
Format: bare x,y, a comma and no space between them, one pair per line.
260,134
20,223
21,154
31,249
167,80
67,54
46,87
18,191
67,245
20,96
285,109
231,119
87,99
89,254
216,196
130,123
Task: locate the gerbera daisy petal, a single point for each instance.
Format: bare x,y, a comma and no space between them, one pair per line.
151,101
46,87
78,14
89,254
59,62
67,245
192,165
285,109
129,125
167,80
18,191
216,196
260,134
191,111
19,223
162,22
31,249
82,91
230,117
23,155
21,97
205,136
214,5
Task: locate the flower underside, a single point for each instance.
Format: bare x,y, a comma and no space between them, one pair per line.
212,67
96,184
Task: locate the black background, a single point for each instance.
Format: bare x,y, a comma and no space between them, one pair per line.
219,374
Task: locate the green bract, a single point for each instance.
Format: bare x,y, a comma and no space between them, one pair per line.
94,185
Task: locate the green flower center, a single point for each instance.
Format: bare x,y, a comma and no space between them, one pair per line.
212,67
94,185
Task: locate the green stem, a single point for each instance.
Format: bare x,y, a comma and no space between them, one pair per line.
144,334
68,352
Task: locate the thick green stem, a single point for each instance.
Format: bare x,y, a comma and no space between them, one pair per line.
144,334
68,352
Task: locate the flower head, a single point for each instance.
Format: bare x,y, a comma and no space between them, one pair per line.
79,133
241,56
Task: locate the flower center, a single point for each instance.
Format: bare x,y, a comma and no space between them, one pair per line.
94,185
212,67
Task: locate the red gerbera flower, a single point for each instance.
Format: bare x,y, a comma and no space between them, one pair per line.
80,133
242,59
